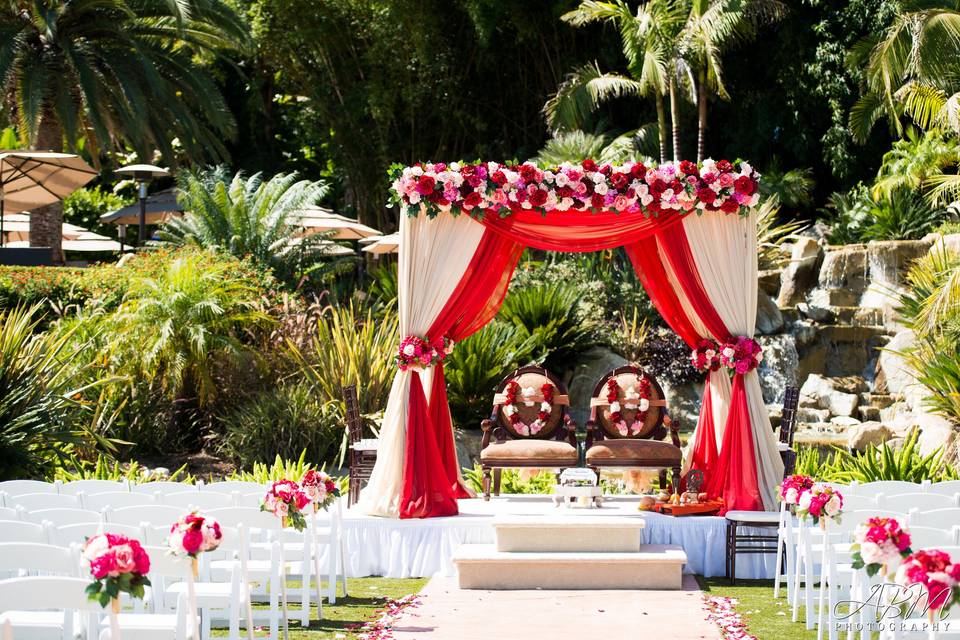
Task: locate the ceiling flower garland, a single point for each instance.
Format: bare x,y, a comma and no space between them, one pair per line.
630,188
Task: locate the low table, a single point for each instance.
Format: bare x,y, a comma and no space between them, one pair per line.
584,496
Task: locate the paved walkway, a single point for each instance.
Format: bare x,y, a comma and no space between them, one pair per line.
447,612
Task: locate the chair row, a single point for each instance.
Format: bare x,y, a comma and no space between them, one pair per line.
119,499
18,487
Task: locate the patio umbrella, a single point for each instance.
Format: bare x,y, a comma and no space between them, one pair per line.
329,248
31,179
87,244
161,206
384,244
319,220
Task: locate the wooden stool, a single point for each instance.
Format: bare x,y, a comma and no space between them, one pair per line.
741,542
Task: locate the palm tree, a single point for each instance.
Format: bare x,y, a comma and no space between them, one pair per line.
254,218
648,38
711,27
910,69
115,73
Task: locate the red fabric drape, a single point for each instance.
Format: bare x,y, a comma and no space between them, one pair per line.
646,262
704,454
578,232
430,449
734,476
426,493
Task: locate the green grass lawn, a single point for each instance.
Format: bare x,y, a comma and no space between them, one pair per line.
766,618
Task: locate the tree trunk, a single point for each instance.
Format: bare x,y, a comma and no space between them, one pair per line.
701,115
675,119
46,223
662,127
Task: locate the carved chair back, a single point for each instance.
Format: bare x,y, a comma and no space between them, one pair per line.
640,400
527,387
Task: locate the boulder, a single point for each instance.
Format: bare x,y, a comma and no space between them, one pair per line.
683,401
815,386
806,414
778,369
861,436
844,421
813,312
840,403
592,365
769,318
843,277
769,281
894,375
803,332
800,274
467,444
825,393
935,432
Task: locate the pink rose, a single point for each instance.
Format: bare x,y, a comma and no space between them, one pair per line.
124,558
192,540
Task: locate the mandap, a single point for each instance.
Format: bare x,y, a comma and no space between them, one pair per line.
691,233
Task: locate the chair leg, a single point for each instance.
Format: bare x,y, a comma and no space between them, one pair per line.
497,473
486,483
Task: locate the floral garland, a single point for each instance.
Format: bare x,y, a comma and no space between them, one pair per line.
936,574
879,545
742,354
320,489
793,487
706,357
117,564
415,352
511,393
632,400
631,188
820,502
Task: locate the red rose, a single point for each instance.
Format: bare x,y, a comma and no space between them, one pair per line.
657,188
619,180
538,198
192,540
706,195
529,173
141,560
425,184
515,207
688,168
103,565
302,500
473,199
606,169
564,192
589,165
474,180
330,485
654,208
677,186
498,177
729,206
744,185
724,165
596,201
638,171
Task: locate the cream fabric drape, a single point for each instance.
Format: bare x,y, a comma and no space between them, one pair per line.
719,381
434,255
725,250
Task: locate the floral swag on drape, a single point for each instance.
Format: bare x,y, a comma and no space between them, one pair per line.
690,232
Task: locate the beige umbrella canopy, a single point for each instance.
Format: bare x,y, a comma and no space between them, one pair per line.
31,179
384,244
319,220
161,206
326,246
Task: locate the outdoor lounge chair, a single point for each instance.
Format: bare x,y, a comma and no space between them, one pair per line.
634,441
526,441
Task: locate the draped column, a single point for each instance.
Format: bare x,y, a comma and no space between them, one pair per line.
434,254
724,248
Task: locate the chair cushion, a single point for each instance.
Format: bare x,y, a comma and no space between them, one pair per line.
624,451
549,452
760,517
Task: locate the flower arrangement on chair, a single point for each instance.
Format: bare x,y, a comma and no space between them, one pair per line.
821,502
512,392
118,565
194,534
633,399
880,544
320,489
706,356
793,487
286,500
938,577
742,354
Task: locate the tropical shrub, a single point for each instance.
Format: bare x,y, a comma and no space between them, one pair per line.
848,215
84,207
902,215
283,468
667,357
476,366
281,422
513,481
107,468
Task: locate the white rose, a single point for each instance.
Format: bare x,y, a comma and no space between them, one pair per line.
728,352
644,404
871,553
791,497
545,407
710,353
598,178
562,180
409,350
614,407
804,501
414,198
745,169
601,189
833,506
509,410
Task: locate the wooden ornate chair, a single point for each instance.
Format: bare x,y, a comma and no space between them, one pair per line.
362,459
788,426
527,440
633,440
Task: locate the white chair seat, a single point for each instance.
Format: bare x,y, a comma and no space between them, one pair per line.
764,517
209,594
39,624
162,623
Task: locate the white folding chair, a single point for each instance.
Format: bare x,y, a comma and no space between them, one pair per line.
203,501
918,501
20,487
35,501
155,535
58,517
786,552
860,502
67,534
91,487
33,557
39,606
9,513
234,486
158,514
117,500
21,531
151,626
929,537
947,488
249,500
936,518
163,487
892,487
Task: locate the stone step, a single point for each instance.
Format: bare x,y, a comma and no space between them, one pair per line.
572,533
845,333
481,566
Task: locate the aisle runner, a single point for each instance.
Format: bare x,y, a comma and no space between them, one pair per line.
423,548
447,613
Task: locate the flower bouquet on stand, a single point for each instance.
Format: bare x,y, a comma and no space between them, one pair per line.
320,489
792,488
286,500
118,565
930,581
821,502
880,545
190,536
